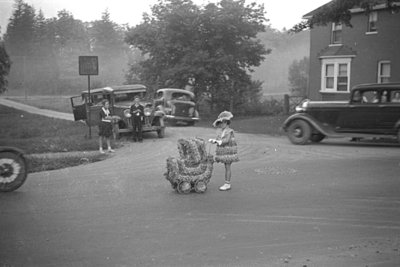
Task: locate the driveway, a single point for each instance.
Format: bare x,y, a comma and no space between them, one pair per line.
329,204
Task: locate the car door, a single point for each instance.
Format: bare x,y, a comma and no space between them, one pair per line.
361,116
389,111
78,108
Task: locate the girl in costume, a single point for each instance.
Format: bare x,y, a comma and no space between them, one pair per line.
226,151
105,126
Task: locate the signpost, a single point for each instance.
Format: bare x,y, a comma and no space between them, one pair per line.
89,65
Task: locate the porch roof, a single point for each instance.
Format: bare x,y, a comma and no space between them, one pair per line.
337,51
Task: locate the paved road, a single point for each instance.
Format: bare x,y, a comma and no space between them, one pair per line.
330,204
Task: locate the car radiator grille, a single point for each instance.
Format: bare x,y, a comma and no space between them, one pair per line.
182,110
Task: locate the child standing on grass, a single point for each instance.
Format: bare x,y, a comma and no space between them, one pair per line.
226,151
105,126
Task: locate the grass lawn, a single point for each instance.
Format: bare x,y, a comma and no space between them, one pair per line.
38,134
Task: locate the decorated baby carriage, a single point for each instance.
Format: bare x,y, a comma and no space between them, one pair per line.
192,170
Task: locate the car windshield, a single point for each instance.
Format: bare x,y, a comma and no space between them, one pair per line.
181,96
129,96
96,98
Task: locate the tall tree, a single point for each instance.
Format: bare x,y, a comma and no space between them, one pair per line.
20,29
71,41
71,34
107,41
5,66
215,47
18,40
339,11
44,78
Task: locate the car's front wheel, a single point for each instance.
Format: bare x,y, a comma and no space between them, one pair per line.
317,137
299,132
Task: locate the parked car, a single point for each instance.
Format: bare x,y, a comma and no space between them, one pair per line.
87,107
373,110
178,104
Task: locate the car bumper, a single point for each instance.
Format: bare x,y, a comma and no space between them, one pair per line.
144,129
181,118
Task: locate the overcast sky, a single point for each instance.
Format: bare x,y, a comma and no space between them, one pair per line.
281,13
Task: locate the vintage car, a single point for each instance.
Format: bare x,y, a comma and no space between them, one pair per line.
87,107
178,104
372,111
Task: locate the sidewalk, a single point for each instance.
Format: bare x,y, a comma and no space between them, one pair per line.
35,110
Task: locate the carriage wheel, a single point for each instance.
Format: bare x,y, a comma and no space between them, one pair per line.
200,186
184,187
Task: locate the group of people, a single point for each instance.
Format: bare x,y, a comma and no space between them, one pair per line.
226,150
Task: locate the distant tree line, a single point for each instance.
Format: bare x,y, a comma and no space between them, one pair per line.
211,50
44,52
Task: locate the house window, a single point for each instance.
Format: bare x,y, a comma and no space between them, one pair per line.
342,78
335,75
384,72
329,76
372,21
336,33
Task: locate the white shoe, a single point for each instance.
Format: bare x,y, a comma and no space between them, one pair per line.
111,150
225,187
101,151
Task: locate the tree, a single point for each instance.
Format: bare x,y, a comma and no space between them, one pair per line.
298,76
215,47
107,41
71,41
339,11
20,29
5,66
18,41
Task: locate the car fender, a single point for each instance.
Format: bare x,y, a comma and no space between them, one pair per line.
305,117
12,150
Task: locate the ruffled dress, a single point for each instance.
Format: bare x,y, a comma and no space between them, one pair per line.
227,152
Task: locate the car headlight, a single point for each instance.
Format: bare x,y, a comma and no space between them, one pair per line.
302,106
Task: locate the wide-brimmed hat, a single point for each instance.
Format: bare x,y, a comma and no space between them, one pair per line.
223,116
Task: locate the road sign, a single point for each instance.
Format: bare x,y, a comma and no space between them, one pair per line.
88,65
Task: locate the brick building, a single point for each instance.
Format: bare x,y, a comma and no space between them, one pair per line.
341,56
